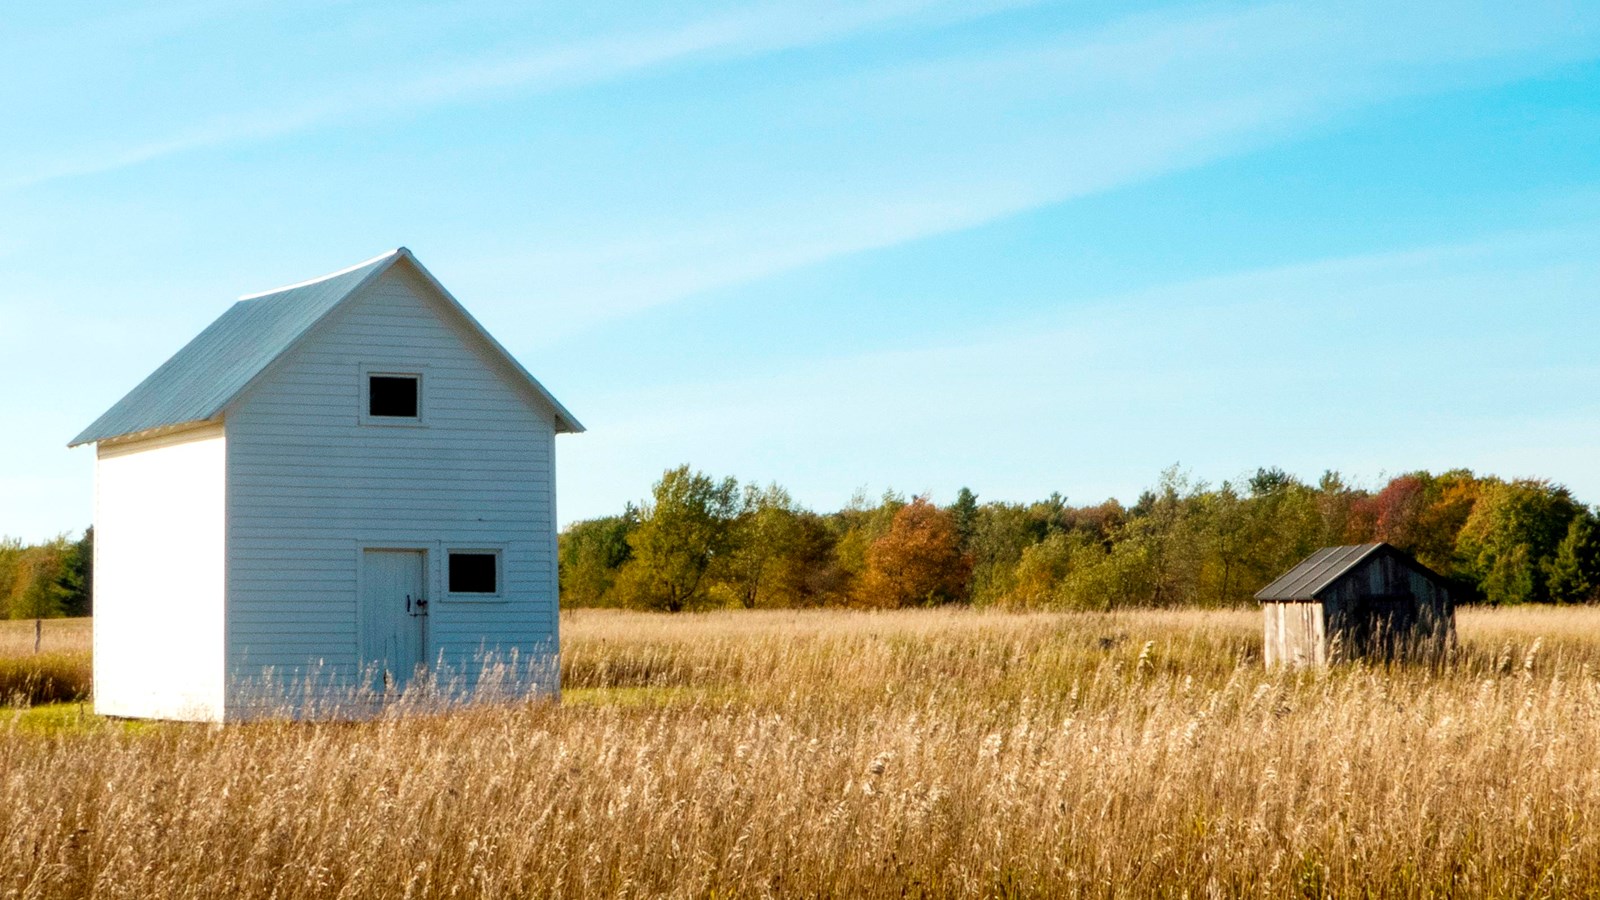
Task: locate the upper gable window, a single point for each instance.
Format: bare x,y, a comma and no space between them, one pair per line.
392,396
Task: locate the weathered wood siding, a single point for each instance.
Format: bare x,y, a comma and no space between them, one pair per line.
159,577
310,486
1386,606
1296,634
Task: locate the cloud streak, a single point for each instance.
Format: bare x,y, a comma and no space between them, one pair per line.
1060,117
747,33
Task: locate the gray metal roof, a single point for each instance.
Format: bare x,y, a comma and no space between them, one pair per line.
1316,572
202,378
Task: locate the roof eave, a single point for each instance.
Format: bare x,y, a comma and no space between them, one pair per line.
566,422
91,434
143,433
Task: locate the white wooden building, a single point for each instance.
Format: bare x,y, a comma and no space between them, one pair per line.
334,484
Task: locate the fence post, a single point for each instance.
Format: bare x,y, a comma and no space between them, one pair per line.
38,632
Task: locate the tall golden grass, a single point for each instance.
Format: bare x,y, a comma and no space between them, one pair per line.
47,666
832,754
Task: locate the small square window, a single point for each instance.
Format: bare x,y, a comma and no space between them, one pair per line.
474,573
392,396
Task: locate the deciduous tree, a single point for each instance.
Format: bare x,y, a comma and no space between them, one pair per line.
592,554
1510,536
766,535
682,531
918,562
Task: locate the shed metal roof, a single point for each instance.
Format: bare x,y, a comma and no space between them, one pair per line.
1316,572
214,368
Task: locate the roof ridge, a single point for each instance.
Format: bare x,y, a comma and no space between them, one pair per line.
1309,577
320,278
242,346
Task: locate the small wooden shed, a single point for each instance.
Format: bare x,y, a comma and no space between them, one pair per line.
1362,600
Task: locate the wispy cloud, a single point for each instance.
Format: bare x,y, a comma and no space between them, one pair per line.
1058,117
585,284
749,32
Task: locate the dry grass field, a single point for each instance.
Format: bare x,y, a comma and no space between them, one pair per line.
833,754
57,669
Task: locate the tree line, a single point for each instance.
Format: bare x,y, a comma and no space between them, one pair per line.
702,542
42,581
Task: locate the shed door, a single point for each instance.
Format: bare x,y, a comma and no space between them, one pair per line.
393,613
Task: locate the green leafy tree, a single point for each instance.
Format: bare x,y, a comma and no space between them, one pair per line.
1512,534
1000,535
1270,480
592,554
11,573
808,574
1112,577
1042,571
42,583
1161,538
1223,531
1337,506
685,528
768,535
1285,525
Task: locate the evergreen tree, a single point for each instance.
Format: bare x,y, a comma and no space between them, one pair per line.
80,576
1573,573
965,511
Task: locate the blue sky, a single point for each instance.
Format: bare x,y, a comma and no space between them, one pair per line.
910,244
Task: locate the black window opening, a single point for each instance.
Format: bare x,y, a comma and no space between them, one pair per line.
392,396
473,573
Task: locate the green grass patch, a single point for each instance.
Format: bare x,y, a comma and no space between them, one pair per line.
631,697
66,718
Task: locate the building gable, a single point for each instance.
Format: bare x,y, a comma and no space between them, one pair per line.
1324,571
243,346
1316,572
315,486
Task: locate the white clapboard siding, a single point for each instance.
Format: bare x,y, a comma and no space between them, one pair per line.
159,576
309,486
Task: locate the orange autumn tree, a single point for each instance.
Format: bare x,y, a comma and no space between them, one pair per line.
918,562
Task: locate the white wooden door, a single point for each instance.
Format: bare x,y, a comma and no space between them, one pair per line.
394,610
